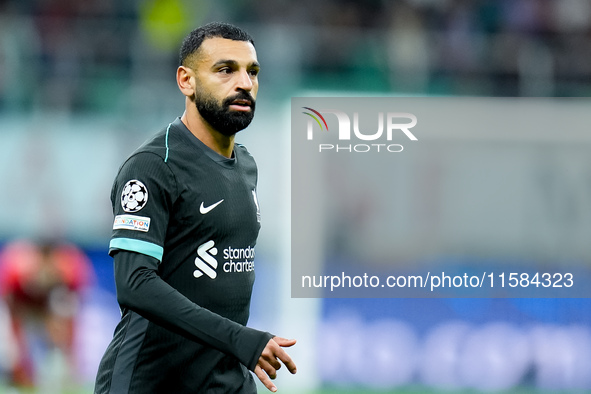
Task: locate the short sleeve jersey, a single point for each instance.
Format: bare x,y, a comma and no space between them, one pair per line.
197,213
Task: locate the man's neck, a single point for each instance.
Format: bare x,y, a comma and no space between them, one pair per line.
213,139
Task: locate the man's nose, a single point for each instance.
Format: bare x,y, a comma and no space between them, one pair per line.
245,81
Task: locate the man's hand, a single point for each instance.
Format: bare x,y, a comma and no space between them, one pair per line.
268,363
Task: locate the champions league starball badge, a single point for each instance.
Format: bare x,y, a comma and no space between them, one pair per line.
134,196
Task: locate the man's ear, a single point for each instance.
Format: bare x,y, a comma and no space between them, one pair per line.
185,79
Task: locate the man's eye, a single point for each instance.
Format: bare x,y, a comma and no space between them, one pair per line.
253,72
225,70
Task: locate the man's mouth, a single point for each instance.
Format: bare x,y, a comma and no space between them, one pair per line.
241,105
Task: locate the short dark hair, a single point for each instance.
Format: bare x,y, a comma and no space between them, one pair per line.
193,40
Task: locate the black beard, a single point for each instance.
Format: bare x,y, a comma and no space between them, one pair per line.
220,117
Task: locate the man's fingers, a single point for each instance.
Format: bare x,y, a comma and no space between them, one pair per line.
288,362
284,342
270,361
282,355
262,375
270,358
268,368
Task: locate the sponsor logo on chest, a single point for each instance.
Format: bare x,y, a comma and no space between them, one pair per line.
235,260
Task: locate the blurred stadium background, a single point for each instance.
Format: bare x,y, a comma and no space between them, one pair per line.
83,83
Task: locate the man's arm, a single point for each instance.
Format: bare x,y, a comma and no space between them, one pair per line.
140,289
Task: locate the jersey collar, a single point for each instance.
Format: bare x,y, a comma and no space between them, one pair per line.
224,161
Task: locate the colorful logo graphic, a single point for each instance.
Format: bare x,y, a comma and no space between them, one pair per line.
390,125
131,222
315,118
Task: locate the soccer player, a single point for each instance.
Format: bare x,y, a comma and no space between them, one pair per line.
185,228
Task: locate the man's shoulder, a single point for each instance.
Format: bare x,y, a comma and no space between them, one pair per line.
241,151
246,161
146,167
158,147
157,144
148,158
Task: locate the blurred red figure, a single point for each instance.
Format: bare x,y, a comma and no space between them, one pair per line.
42,285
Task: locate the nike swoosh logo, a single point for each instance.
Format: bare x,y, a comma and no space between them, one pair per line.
205,210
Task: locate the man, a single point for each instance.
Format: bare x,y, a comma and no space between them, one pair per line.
186,223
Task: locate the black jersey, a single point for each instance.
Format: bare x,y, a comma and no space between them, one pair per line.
186,216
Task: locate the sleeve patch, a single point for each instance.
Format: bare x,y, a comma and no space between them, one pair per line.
131,222
134,196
